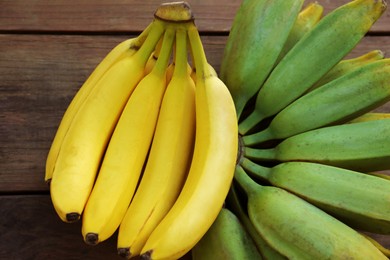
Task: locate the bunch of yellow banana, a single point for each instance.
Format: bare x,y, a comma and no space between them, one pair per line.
140,143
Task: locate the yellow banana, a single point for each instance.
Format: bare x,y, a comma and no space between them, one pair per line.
124,49
83,147
370,116
211,170
169,158
153,58
126,152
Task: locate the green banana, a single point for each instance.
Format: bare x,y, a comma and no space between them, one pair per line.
347,65
370,116
359,200
363,147
298,229
305,21
266,250
342,99
260,29
226,239
334,36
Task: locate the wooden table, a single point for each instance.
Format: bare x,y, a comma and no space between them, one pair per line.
47,50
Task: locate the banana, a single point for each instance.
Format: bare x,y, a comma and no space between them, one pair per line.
359,200
298,229
259,31
123,49
384,250
348,65
211,170
266,250
169,158
305,21
333,37
370,116
153,58
361,147
126,152
226,239
86,139
349,96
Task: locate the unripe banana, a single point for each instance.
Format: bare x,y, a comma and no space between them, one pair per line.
126,152
259,31
359,200
85,142
226,239
298,229
363,146
333,37
344,98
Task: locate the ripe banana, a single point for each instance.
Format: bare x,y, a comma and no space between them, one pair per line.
126,152
236,206
86,139
169,158
124,49
363,146
226,239
305,21
211,170
370,116
334,36
359,200
259,32
344,98
348,65
298,229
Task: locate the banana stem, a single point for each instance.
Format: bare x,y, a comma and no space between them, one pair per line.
260,154
246,182
250,122
142,37
180,53
258,138
166,48
260,172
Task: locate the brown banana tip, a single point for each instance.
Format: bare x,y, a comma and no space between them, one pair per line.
48,181
124,252
72,217
174,12
147,255
92,239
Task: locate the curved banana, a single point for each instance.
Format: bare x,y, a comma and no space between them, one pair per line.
126,152
333,37
169,158
298,229
83,147
363,146
350,96
124,49
359,200
259,31
211,170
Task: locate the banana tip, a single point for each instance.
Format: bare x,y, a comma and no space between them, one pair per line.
92,239
147,255
72,217
124,252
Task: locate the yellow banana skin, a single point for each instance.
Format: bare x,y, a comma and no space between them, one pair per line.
226,239
305,21
359,200
126,152
198,204
124,49
266,23
169,158
333,103
363,147
333,37
370,116
298,229
83,147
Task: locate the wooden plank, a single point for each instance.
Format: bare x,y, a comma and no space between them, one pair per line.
124,15
38,80
30,229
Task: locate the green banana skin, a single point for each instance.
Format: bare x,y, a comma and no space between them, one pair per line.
348,65
267,252
333,37
259,31
338,101
370,116
299,229
359,200
363,146
226,239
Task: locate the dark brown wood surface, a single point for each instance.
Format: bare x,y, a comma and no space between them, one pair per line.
47,50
